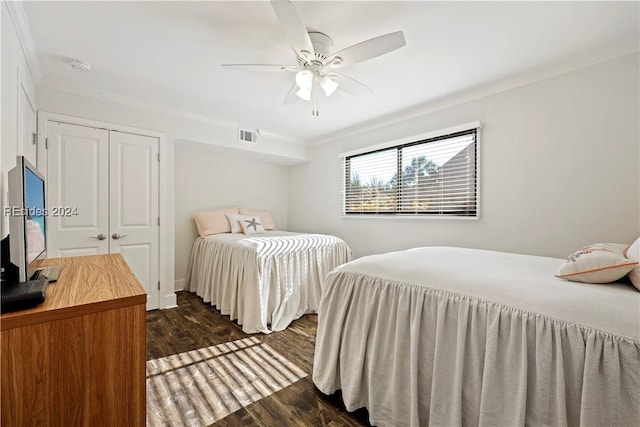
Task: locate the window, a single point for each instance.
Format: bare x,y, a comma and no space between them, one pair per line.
436,176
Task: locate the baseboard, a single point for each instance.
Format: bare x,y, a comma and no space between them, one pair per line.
170,301
179,284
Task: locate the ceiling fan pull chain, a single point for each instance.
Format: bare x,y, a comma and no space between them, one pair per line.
314,101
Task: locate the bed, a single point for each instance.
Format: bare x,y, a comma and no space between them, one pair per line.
449,336
264,281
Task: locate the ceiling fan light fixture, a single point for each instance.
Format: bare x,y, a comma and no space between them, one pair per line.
329,84
304,94
304,80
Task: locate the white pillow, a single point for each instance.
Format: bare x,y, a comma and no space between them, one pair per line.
251,226
265,215
234,221
597,263
633,253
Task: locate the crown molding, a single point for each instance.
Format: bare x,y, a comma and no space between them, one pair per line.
19,19
106,96
483,91
164,109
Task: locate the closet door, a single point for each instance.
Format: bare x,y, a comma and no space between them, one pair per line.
77,190
134,205
107,183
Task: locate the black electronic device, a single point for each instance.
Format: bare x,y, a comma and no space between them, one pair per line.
49,273
27,213
24,283
20,295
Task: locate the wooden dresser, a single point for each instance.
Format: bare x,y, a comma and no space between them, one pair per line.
78,358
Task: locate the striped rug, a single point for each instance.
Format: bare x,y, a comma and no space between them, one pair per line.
198,387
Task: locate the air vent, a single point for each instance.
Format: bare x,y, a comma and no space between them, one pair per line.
247,135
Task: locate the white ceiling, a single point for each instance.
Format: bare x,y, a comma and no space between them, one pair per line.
169,53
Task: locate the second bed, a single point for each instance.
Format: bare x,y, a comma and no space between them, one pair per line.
452,336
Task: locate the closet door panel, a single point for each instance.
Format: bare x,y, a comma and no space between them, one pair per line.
134,207
77,190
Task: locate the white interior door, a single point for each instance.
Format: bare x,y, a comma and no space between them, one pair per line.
26,125
77,190
134,228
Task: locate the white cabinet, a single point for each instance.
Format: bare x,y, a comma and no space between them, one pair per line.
103,197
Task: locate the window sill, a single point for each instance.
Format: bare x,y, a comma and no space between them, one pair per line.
411,217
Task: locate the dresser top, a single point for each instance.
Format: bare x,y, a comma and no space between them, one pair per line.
86,284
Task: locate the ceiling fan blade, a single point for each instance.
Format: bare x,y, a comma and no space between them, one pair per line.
291,97
261,67
367,49
293,27
352,86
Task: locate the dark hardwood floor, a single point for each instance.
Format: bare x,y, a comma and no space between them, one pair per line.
195,324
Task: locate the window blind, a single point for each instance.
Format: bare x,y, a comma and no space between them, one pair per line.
434,177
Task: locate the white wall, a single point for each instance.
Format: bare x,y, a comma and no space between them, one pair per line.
207,178
559,168
15,72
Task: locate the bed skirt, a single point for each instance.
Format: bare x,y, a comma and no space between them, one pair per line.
264,283
418,356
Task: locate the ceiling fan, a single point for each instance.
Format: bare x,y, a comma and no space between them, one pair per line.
315,71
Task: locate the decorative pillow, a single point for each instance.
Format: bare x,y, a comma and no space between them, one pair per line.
251,226
597,263
633,253
234,221
213,222
267,221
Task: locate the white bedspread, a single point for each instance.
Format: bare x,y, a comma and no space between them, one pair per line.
451,336
264,282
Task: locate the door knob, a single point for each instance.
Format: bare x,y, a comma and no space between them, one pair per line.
116,236
100,236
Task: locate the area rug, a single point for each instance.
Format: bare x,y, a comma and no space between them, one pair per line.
198,387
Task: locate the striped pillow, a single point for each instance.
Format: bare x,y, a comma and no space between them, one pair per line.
597,263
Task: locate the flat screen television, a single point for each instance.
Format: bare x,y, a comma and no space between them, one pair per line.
27,218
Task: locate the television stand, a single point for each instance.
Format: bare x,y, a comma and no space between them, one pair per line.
50,274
